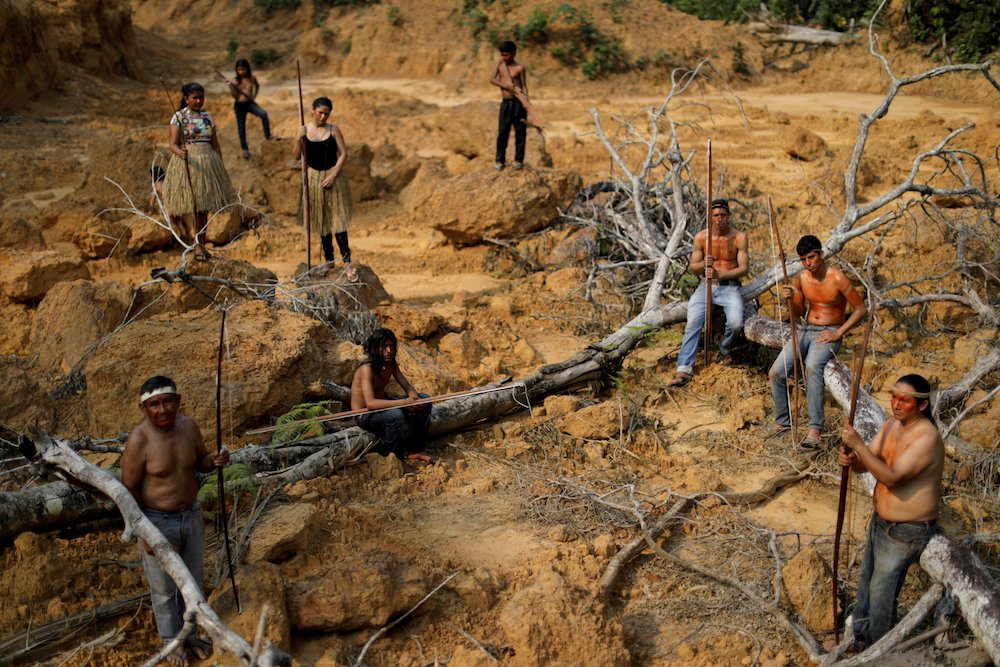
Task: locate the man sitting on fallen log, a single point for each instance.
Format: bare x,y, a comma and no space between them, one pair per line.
368,393
158,468
723,264
906,457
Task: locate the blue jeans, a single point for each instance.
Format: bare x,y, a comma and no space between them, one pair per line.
241,109
730,298
890,550
815,356
185,531
389,425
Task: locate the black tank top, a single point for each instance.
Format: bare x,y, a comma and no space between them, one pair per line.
321,155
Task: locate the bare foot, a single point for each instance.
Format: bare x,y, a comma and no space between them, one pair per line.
200,649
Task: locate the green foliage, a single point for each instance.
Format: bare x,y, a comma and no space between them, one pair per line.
607,57
231,48
740,65
275,5
833,14
535,31
293,432
971,27
393,15
613,8
236,479
263,57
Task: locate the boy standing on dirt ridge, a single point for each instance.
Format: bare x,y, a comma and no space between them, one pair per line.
511,78
827,292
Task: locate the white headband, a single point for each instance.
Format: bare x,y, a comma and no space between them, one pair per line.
169,389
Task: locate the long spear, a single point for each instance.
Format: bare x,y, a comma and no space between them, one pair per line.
419,401
845,471
796,351
218,472
305,172
708,251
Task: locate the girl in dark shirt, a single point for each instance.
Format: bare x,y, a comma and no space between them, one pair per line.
330,207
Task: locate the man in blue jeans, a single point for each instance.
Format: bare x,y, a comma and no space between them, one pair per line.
906,457
826,292
158,465
724,264
389,415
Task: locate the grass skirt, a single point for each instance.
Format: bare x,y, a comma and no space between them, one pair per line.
331,208
209,181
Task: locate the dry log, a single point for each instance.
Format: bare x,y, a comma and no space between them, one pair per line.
60,454
798,34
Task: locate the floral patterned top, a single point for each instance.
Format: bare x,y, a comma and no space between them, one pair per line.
198,126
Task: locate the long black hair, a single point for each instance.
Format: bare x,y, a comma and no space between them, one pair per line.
374,345
921,386
243,62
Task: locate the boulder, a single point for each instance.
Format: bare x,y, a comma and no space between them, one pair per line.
25,277
20,234
551,622
468,207
808,582
359,172
284,531
259,584
423,184
182,297
559,405
16,337
23,401
802,144
73,316
409,322
272,356
146,236
470,129
462,349
594,422
98,238
360,591
225,226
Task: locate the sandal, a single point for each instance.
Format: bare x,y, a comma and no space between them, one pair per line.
680,380
775,430
199,648
352,273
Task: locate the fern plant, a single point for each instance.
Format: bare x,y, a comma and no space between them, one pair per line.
289,432
236,479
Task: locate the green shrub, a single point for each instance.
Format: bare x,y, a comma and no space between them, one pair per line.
263,57
393,15
607,57
972,27
535,31
740,65
275,5
231,47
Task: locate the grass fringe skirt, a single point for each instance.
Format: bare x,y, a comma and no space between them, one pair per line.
209,180
330,209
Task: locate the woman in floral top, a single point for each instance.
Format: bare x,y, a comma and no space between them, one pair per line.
197,184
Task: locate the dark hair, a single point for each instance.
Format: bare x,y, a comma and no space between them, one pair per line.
156,382
808,244
156,173
921,386
720,203
374,345
242,62
323,102
189,88
508,47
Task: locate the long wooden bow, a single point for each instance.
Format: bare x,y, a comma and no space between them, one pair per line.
708,251
796,350
305,173
845,471
218,472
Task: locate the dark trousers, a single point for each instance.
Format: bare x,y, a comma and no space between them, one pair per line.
242,109
389,425
512,114
345,249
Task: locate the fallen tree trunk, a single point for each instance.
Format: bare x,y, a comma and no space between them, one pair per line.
798,34
63,456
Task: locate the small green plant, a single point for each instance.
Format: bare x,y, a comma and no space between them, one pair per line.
288,432
740,65
275,5
263,57
231,47
394,15
615,6
535,30
607,57
236,479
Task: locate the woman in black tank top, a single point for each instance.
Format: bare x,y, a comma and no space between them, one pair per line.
330,206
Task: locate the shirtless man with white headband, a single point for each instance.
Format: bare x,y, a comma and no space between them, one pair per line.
161,456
